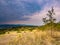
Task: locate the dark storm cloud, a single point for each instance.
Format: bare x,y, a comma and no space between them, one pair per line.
11,10
20,10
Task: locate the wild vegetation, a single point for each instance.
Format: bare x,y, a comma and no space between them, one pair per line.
34,37
47,34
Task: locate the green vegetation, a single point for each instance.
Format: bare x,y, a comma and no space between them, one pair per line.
54,26
18,29
48,26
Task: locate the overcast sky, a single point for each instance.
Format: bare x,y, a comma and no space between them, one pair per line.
27,11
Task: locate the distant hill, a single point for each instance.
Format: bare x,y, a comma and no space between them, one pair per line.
4,26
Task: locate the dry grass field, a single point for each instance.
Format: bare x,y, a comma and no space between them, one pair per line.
35,37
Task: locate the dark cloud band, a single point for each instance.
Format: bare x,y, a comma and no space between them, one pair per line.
14,10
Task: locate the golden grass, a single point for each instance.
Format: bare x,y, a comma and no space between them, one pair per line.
27,37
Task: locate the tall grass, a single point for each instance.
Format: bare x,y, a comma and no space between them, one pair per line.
35,37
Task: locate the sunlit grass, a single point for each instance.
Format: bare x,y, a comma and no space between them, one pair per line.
35,37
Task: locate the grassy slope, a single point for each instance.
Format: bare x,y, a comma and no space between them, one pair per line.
35,37
54,26
49,26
